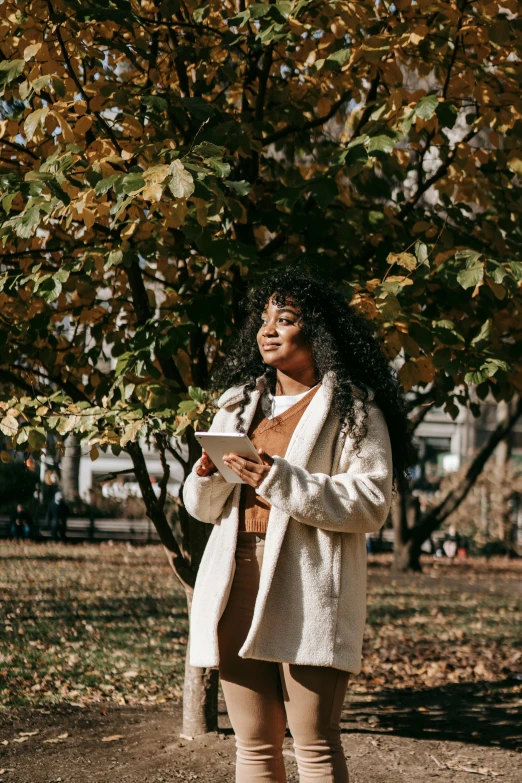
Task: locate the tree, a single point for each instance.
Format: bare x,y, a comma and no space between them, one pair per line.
412,529
156,156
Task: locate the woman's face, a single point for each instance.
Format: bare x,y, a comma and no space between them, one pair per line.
281,340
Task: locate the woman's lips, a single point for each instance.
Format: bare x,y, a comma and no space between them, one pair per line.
270,346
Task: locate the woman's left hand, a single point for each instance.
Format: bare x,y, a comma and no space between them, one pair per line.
251,473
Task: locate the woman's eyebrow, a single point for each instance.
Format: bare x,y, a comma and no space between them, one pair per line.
282,310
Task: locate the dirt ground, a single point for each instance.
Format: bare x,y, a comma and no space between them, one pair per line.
451,730
408,737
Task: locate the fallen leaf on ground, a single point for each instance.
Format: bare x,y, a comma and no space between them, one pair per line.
476,771
59,738
29,733
20,739
113,738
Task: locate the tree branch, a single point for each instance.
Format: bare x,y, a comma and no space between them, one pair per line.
421,413
143,314
179,64
293,128
264,73
156,514
115,473
272,246
183,462
10,377
436,516
368,106
68,386
426,185
420,399
20,148
166,471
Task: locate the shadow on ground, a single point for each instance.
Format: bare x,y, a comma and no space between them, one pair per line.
485,713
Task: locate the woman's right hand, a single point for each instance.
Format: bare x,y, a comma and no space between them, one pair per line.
206,467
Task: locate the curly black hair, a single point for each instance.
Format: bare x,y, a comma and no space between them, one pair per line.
341,341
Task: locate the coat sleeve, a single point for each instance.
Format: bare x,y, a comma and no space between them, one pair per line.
355,501
205,496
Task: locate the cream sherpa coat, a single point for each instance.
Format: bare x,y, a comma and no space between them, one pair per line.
311,603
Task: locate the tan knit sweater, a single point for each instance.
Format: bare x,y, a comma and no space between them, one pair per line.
272,435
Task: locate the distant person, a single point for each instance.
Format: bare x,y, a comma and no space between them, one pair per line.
22,524
451,543
428,546
463,549
57,517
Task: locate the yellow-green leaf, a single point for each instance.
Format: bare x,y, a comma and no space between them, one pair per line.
33,121
406,260
181,183
131,433
30,51
9,425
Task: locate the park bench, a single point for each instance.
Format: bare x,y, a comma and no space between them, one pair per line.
84,529
143,531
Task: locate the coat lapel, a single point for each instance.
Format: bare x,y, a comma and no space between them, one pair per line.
298,453
235,393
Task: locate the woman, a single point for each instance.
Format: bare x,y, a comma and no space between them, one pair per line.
280,598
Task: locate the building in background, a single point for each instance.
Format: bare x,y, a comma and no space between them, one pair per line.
445,445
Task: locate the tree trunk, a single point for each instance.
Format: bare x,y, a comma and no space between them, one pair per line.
70,469
405,516
200,690
200,696
408,557
502,493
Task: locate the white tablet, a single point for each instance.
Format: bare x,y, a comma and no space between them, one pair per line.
217,444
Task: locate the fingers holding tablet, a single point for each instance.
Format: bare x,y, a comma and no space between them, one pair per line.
206,466
249,472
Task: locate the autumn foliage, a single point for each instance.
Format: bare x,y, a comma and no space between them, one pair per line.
156,156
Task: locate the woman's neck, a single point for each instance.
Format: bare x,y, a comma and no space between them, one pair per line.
296,383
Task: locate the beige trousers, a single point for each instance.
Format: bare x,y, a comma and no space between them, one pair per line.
261,695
